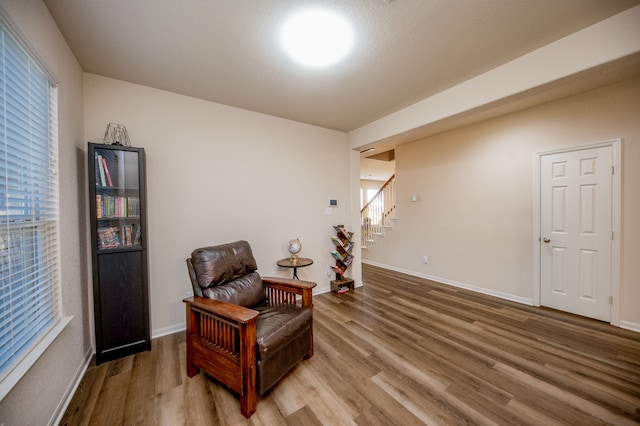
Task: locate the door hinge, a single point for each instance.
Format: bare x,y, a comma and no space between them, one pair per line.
611,235
611,300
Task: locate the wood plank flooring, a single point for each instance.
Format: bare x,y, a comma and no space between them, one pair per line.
397,351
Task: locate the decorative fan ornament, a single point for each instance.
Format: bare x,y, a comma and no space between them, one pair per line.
116,134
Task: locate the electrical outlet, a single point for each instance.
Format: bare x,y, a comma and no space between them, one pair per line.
329,271
188,293
426,259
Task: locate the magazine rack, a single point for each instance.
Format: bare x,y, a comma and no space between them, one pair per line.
343,240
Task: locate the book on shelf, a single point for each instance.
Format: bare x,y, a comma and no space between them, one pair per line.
337,255
106,172
342,289
341,257
97,170
98,206
344,250
337,269
347,261
133,206
127,235
108,206
138,237
103,174
108,237
343,232
347,244
103,180
343,265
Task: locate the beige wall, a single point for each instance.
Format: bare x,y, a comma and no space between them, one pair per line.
475,185
218,174
37,398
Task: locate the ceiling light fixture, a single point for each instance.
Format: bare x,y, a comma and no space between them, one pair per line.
316,37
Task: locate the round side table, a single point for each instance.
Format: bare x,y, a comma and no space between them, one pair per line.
300,262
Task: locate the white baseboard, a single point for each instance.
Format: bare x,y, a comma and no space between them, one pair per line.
328,289
71,389
506,296
321,291
629,325
176,328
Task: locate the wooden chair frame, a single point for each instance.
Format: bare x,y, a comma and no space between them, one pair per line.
221,337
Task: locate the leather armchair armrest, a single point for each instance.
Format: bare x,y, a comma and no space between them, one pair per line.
221,340
288,282
235,313
277,286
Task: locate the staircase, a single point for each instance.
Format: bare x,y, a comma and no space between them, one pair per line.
378,212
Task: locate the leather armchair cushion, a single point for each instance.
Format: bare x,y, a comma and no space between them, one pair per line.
277,325
271,370
246,291
217,265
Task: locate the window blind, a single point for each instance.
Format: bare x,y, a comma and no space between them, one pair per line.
29,246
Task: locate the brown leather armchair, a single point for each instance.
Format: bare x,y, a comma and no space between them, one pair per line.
244,330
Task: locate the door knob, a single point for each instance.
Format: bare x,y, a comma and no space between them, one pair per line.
546,240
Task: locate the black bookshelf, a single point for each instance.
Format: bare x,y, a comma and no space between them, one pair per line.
118,217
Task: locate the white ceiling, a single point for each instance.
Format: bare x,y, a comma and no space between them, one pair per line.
227,51
380,170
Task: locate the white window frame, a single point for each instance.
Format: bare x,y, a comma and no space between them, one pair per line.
51,226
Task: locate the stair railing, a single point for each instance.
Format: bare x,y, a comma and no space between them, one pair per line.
378,212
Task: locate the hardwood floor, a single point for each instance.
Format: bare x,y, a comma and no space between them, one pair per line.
397,351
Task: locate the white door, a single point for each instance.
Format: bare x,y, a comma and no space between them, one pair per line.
576,231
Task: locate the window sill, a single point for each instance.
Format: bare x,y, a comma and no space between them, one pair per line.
32,357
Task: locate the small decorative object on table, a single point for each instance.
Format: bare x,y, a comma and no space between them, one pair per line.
342,254
294,246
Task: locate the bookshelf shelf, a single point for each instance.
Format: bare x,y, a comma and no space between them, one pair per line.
117,194
343,242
